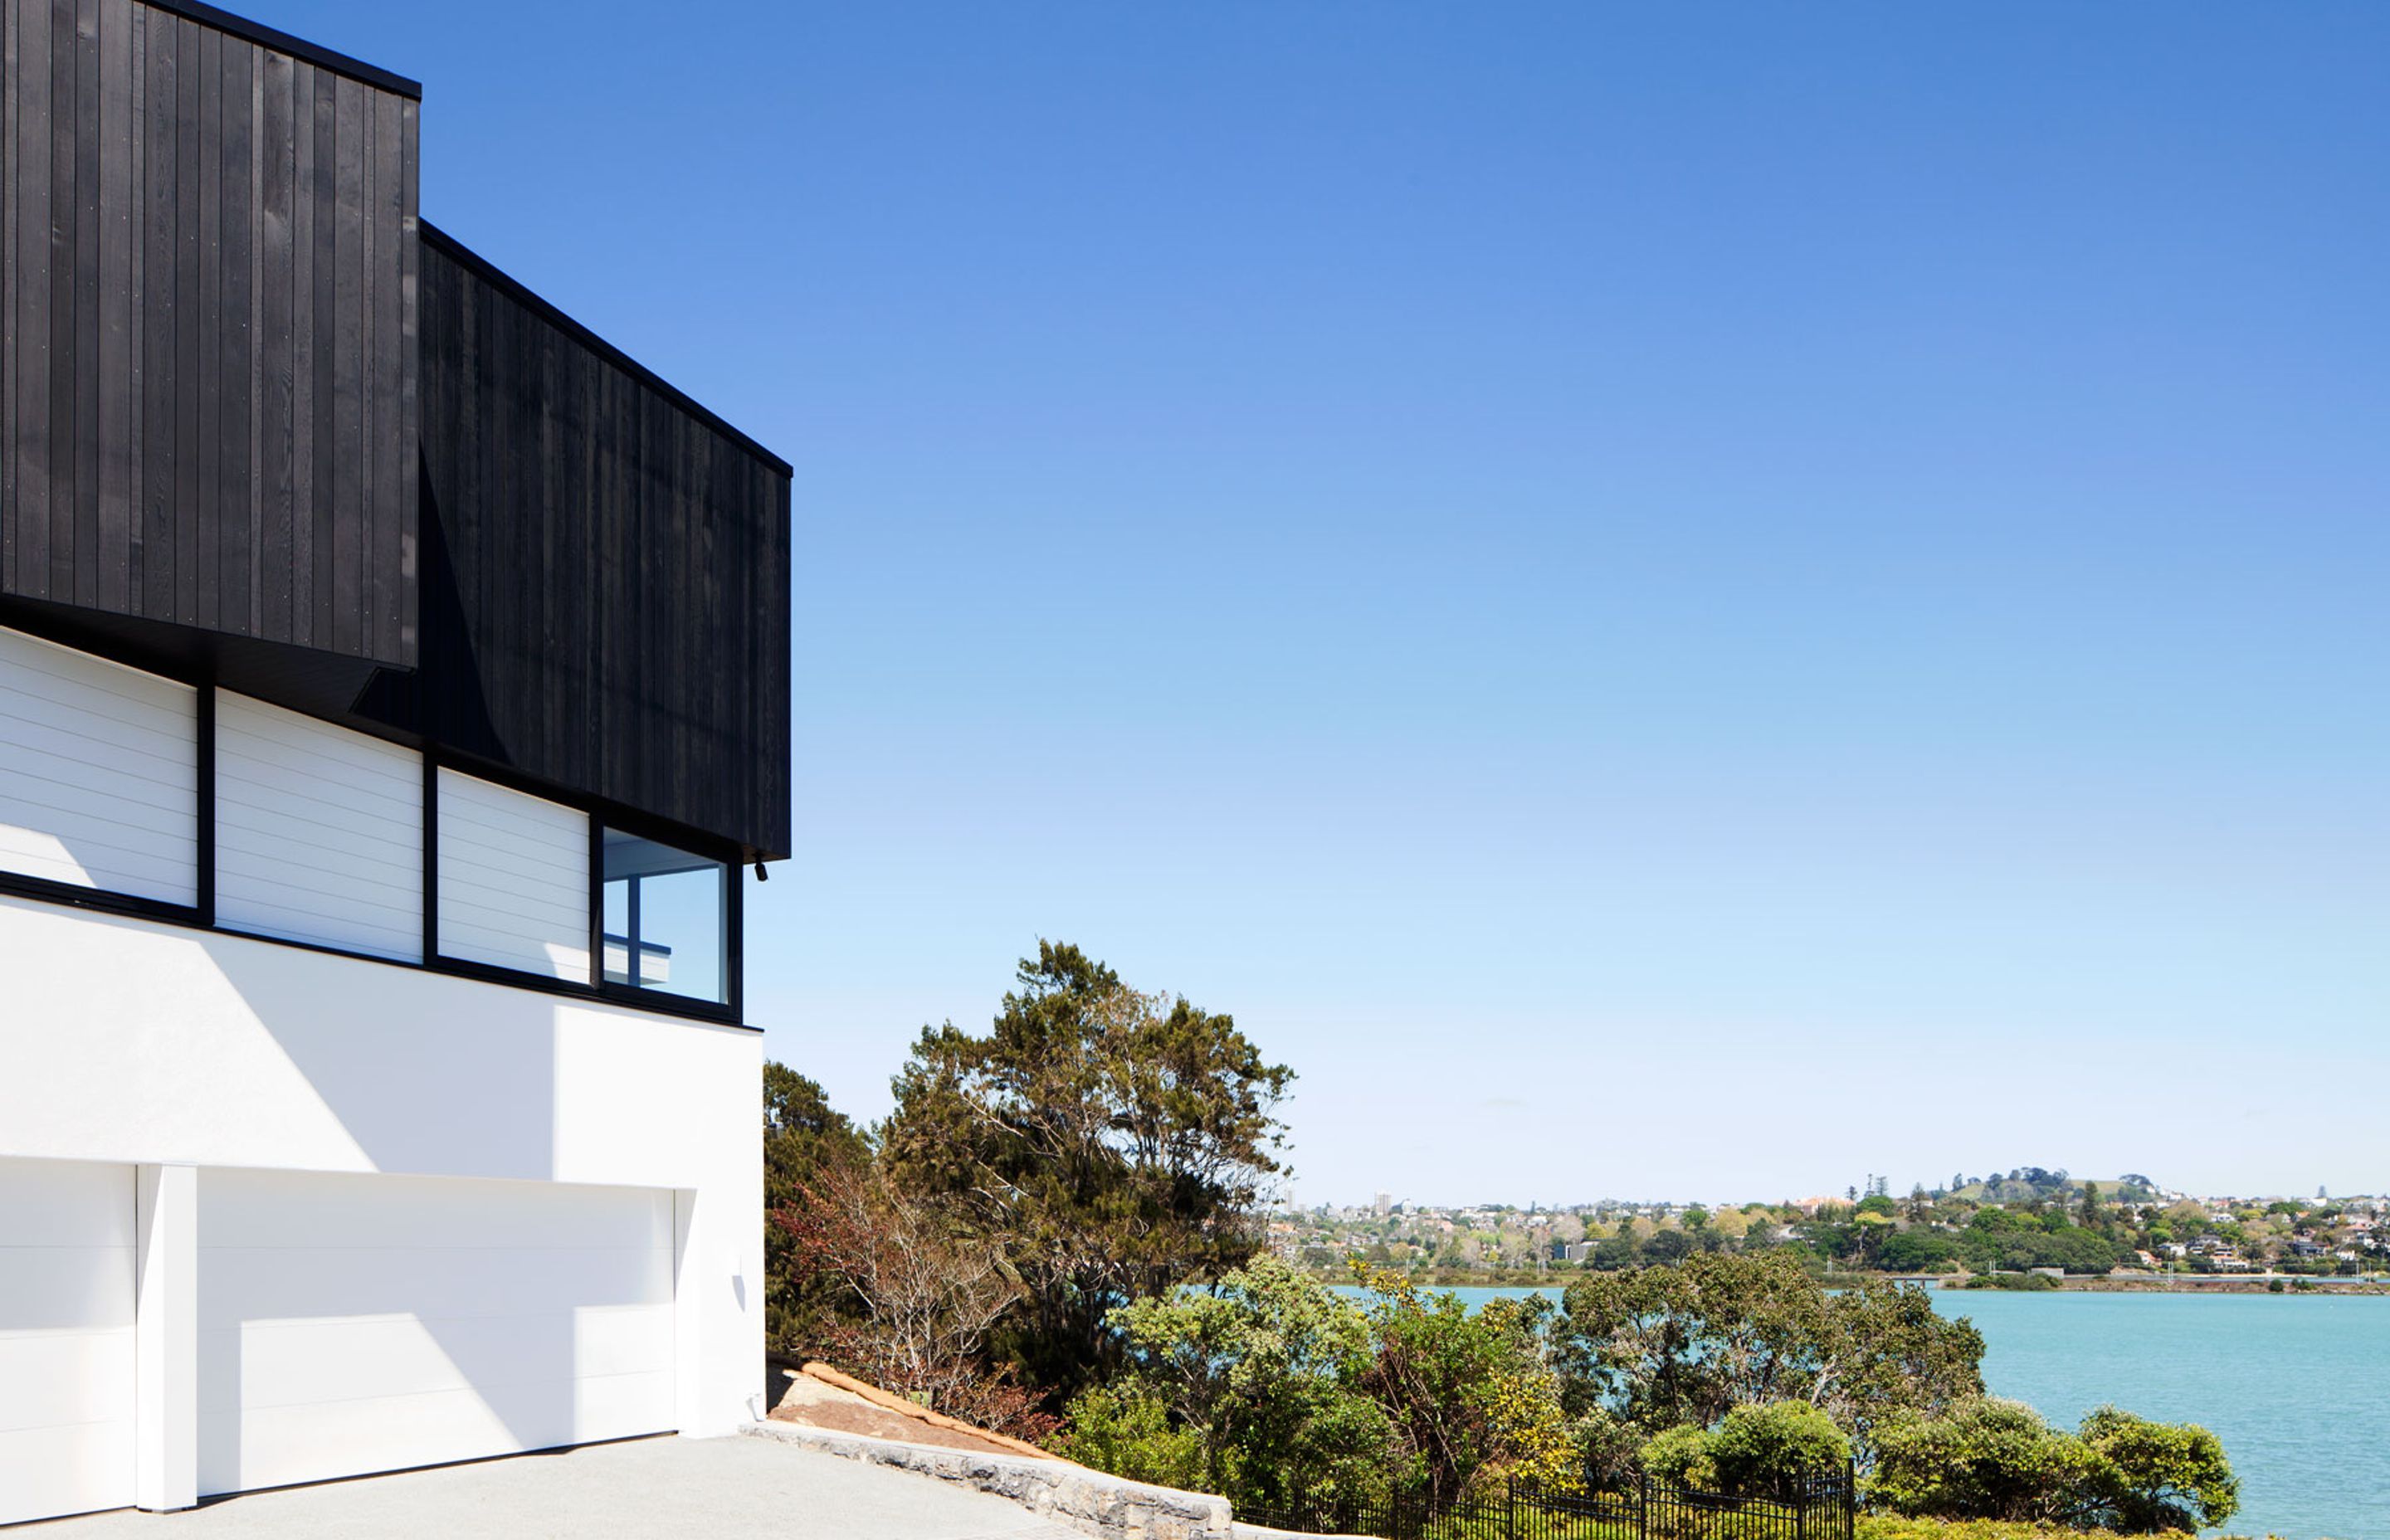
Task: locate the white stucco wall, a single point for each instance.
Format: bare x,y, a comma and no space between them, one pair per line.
123,1040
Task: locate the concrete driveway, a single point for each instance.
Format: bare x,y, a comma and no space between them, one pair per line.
659,1486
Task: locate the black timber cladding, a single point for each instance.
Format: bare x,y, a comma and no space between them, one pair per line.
207,386
606,568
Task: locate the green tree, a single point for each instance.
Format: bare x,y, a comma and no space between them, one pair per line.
1760,1451
1269,1382
1252,1381
1773,1450
1914,1251
2159,1475
1670,1245
1986,1458
1982,1458
1117,1143
1680,1457
1468,1392
1663,1346
804,1136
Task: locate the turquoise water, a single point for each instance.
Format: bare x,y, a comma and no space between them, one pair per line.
2296,1386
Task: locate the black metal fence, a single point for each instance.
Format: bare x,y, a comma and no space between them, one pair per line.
1823,1507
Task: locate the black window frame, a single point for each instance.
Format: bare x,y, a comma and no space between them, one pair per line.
201,915
734,918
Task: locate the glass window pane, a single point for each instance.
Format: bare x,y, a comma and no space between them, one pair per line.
665,919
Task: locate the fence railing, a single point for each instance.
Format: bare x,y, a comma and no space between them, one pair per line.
1823,1507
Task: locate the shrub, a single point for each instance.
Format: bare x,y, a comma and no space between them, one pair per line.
1885,1526
2160,1475
1606,1449
1775,1449
1125,1429
1681,1457
1986,1459
1996,1459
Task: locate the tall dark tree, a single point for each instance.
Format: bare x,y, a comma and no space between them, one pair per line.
1117,1143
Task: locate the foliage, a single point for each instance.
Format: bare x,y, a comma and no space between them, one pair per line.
2160,1475
1607,1449
1984,1458
802,1138
1680,1456
1774,1450
2004,1238
1117,1144
1891,1526
1268,1384
1765,1451
1916,1252
1988,1458
919,1300
1127,1429
1469,1395
1663,1346
1255,1377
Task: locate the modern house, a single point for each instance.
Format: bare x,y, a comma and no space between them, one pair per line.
393,702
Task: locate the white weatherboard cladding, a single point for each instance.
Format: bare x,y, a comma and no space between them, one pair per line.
319,831
514,879
66,1338
98,772
356,1323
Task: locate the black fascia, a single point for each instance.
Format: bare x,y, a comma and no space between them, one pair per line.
547,311
297,47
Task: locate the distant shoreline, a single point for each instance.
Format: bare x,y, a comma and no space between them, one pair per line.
2196,1283
2293,1284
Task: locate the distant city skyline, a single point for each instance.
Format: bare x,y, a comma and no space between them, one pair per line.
1655,601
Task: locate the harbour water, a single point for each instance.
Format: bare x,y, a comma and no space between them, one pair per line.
2297,1386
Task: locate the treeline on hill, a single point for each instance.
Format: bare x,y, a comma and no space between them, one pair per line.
1874,1234
2030,1219
1058,1233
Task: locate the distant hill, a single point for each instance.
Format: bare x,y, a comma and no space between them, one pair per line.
2029,1184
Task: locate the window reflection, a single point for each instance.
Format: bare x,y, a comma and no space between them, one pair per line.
665,916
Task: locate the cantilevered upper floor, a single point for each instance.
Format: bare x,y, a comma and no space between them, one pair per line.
264,428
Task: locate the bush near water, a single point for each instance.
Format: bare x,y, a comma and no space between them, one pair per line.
1058,1233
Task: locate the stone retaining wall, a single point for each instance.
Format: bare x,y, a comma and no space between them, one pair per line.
1089,1500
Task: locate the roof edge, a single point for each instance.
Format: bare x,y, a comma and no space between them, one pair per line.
297,47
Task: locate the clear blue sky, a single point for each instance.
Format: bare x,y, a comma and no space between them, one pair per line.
1662,601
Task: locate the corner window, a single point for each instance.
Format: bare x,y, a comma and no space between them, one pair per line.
666,919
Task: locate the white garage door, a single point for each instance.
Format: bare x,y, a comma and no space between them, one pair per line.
66,1338
349,1324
